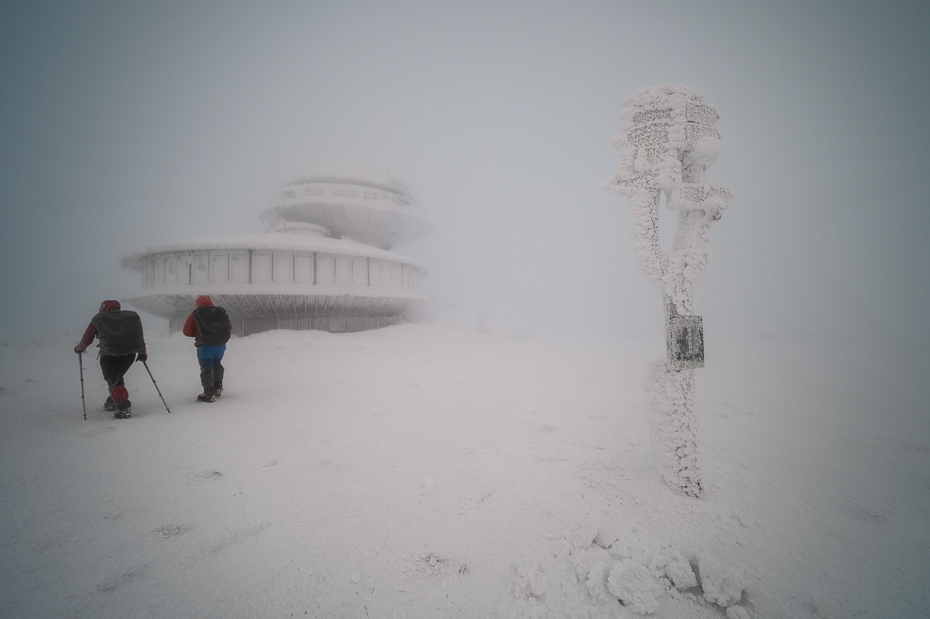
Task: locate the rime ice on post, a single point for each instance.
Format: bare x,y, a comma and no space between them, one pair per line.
668,138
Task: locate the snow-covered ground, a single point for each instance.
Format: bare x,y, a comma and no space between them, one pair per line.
435,471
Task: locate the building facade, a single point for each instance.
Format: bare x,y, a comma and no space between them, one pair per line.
324,261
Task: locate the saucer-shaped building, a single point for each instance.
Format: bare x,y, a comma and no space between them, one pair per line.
324,261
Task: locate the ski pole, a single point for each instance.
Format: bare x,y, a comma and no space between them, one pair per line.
156,387
83,405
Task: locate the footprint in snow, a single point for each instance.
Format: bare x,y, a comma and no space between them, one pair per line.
167,531
205,476
870,515
116,580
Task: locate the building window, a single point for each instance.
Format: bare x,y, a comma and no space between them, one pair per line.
343,271
303,269
359,272
239,268
325,269
159,270
284,268
171,269
261,267
411,276
149,277
374,273
200,269
219,267
185,269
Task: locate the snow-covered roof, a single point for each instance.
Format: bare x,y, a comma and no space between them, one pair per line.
352,172
366,221
347,180
272,241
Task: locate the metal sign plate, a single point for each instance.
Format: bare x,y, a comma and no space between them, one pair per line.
685,342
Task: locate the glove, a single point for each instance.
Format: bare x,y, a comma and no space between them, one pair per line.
79,349
142,357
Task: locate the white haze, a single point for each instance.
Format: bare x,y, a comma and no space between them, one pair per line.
129,124
125,125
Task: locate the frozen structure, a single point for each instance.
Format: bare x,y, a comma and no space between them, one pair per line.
668,139
324,261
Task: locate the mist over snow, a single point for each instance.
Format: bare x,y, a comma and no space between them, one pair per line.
127,125
493,458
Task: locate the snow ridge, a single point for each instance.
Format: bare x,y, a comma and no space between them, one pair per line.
590,573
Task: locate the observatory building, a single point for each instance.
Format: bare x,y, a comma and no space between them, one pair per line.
324,261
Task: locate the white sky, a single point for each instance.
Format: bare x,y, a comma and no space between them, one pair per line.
126,124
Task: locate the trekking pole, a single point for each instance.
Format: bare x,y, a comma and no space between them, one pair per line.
83,405
156,387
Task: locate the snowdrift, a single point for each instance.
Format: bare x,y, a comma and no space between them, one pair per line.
429,471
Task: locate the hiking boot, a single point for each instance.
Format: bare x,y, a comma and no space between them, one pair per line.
123,410
109,405
217,392
207,381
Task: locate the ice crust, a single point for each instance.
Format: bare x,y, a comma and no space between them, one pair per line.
629,575
668,138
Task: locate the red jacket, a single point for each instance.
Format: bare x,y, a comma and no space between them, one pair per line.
191,328
91,332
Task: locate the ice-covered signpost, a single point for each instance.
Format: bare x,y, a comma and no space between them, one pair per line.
668,138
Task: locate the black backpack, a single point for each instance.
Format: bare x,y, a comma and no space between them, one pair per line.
119,332
213,324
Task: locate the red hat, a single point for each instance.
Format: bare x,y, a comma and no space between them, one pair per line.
204,301
108,306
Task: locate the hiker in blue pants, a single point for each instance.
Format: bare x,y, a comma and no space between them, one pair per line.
210,327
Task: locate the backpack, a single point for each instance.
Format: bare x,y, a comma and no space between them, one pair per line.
213,325
119,332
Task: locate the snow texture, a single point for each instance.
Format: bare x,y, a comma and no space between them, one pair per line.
722,584
425,470
635,586
668,138
673,426
641,578
737,612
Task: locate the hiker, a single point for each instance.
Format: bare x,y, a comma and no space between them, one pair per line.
120,339
210,327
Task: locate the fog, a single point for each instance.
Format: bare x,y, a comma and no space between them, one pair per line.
128,124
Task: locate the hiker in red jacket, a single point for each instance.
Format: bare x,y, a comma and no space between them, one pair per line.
120,339
210,327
